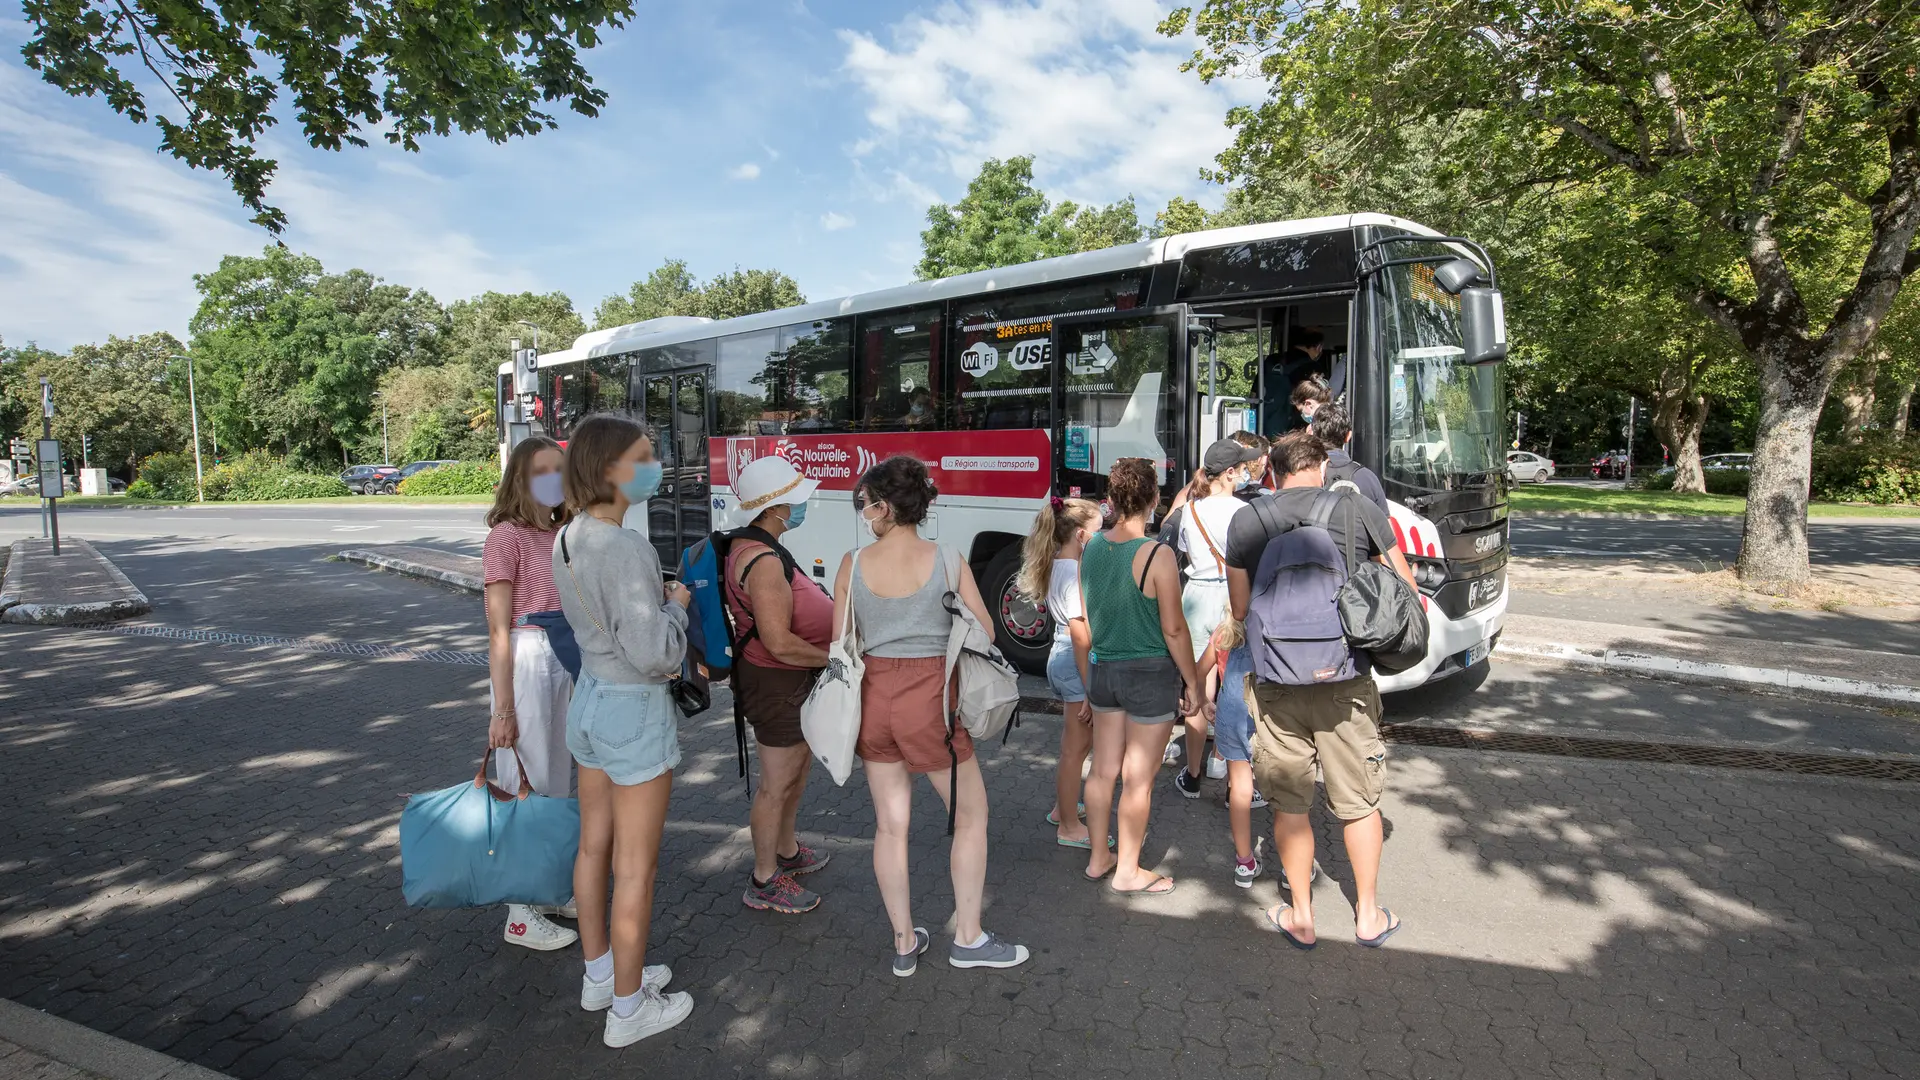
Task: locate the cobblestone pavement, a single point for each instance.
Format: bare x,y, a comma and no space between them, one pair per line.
201,856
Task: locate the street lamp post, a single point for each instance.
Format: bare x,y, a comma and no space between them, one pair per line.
193,409
535,327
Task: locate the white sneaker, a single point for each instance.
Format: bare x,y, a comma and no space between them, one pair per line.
567,910
1173,753
657,1013
1244,876
595,996
1216,768
536,932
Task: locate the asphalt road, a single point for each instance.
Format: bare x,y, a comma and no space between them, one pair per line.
1892,542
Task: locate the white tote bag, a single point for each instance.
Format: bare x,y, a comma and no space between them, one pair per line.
830,719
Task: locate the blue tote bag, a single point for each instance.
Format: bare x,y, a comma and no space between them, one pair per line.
475,845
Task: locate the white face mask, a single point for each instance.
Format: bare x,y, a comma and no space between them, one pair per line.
872,525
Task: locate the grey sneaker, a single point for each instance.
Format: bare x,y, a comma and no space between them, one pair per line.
994,953
782,894
904,966
1311,878
1245,876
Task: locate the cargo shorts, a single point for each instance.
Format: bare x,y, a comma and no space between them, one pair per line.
1336,725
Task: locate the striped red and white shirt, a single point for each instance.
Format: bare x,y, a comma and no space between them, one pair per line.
522,555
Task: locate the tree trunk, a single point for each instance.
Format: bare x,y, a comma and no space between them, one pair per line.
1856,397
1902,406
1679,418
1773,544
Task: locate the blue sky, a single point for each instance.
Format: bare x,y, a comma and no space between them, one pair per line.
805,136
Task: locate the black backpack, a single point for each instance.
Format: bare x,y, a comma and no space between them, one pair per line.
1381,614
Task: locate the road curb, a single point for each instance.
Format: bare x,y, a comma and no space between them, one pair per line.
89,1052
408,568
1700,671
1625,515
15,610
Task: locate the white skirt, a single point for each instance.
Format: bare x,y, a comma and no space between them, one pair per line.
541,689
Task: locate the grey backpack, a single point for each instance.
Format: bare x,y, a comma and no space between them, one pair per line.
988,685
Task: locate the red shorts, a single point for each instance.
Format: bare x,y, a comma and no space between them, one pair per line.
900,715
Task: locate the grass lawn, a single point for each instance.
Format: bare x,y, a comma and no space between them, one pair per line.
1548,498
391,501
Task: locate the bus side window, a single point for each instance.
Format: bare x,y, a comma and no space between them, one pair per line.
818,376
899,371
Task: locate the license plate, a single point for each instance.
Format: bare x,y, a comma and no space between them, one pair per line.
1475,655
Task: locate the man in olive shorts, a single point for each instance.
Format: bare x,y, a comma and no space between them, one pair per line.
1333,724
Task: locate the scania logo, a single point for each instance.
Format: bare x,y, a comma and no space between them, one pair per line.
1489,542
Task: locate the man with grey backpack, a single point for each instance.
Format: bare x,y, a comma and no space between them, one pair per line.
1288,573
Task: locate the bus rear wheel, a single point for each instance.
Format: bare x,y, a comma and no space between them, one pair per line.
1021,628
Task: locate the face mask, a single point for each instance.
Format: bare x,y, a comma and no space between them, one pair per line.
645,480
870,525
547,489
796,515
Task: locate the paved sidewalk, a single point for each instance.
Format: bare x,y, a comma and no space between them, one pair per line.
426,563
203,860
78,585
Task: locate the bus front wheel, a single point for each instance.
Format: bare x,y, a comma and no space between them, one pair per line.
1021,628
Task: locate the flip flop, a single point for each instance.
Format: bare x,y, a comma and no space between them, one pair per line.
1084,845
1393,927
1101,874
1274,923
1053,815
1149,890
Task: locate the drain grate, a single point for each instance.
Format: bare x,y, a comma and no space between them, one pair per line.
306,645
1715,757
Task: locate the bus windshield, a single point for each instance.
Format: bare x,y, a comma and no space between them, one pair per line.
1444,416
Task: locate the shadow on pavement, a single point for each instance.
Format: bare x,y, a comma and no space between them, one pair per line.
203,858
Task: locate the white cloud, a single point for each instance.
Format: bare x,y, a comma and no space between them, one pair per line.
1086,86
103,235
834,221
744,171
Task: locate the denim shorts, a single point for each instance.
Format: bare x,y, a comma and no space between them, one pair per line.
630,731
1232,722
1147,689
1063,674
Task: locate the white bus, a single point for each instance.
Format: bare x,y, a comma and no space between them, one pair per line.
1017,383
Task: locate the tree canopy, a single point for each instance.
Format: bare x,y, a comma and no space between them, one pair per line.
121,394
1763,159
672,290
409,70
1004,220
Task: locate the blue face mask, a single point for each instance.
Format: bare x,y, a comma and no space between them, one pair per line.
645,480
797,514
547,489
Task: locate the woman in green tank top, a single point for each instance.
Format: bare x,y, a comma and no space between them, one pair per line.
1141,677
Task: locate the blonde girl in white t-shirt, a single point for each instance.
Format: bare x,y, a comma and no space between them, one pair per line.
1050,573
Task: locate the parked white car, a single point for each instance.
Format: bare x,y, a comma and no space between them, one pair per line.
1522,465
1727,461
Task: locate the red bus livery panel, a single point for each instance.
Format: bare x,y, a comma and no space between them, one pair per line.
1013,464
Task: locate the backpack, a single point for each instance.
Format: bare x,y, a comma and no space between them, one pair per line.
1293,613
988,685
711,639
1380,612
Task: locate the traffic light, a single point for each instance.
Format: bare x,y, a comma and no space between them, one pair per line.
86,449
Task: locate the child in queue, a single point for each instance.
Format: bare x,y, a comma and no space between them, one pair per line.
1050,572
623,725
1141,676
529,686
896,587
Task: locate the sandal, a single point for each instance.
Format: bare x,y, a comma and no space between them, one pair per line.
1393,927
1148,889
1084,845
1053,815
1101,874
1274,923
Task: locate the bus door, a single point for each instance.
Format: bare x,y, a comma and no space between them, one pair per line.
1120,390
675,407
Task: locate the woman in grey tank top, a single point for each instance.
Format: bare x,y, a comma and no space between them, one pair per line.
896,588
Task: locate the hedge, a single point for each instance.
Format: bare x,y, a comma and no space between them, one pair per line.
254,476
1719,481
166,475
458,478
1877,469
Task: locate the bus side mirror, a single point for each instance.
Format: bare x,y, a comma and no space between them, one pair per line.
1457,274
1483,325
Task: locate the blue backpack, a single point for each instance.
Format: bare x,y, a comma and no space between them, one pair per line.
1293,615
711,644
